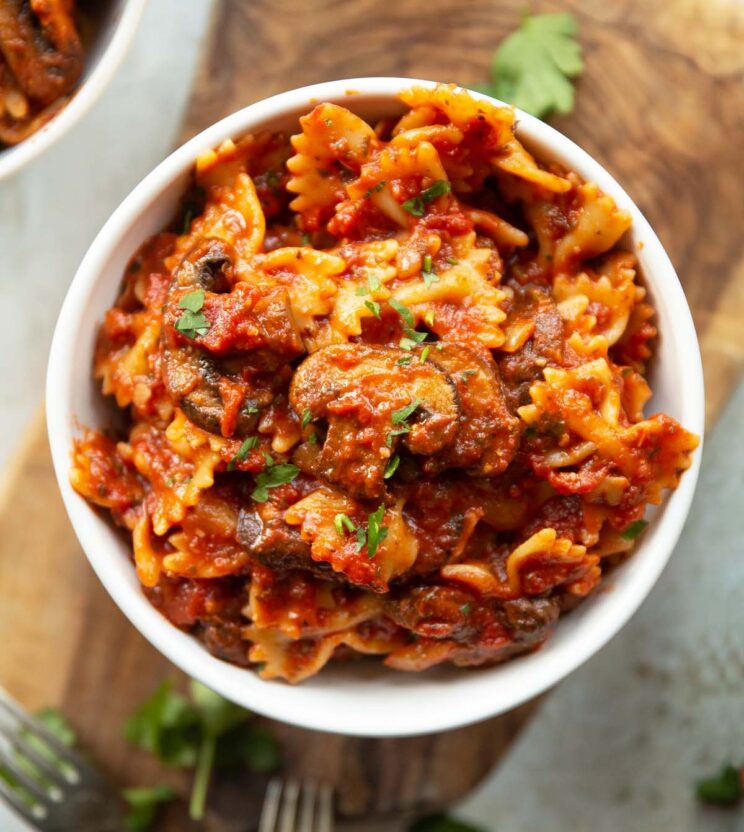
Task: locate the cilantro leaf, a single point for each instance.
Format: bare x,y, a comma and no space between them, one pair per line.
442,823
533,67
632,530
272,477
402,413
143,802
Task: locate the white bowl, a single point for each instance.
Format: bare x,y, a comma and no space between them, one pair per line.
115,32
362,698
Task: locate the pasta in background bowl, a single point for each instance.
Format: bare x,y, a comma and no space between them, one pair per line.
362,698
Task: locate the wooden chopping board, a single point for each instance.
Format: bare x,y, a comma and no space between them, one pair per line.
661,104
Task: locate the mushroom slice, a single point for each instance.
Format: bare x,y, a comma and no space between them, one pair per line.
487,433
371,403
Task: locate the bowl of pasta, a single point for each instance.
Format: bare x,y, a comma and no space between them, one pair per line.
376,407
55,61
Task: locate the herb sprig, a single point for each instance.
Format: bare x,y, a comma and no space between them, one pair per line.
192,321
273,476
533,68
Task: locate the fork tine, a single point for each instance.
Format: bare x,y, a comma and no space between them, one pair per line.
307,807
51,773
325,810
270,810
75,765
289,806
9,763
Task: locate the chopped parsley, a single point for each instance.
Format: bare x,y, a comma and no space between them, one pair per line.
392,466
453,261
428,273
376,533
248,445
192,321
404,360
466,375
272,477
401,415
396,432
466,608
403,311
429,317
373,307
343,522
417,205
307,417
272,180
412,337
632,530
533,67
425,353
377,188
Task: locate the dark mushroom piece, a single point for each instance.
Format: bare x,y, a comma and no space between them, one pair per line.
40,44
247,332
360,392
487,433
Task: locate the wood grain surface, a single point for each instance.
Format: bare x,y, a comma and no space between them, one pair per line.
661,104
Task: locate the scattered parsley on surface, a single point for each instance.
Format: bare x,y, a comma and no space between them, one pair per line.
402,413
391,467
307,417
417,205
343,522
192,321
376,533
533,67
373,307
272,477
248,445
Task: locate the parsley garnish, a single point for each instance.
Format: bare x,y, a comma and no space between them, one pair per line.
533,67
467,375
343,521
401,415
272,180
442,823
723,788
417,204
466,608
412,337
428,273
248,445
200,733
377,188
373,307
375,532
429,317
425,353
403,311
404,360
396,432
632,530
392,466
192,322
307,417
453,261
272,477
142,803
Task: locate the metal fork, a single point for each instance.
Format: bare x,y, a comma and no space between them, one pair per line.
53,794
297,807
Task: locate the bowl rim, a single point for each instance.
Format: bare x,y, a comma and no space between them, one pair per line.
15,157
535,672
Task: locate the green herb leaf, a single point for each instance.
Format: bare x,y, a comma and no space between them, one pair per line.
442,823
465,609
193,301
404,360
373,307
248,745
453,261
427,262
307,417
403,311
533,67
425,353
391,467
417,204
143,802
396,432
362,291
723,788
192,324
377,188
375,532
57,725
272,477
167,726
429,317
343,521
632,530
248,445
402,413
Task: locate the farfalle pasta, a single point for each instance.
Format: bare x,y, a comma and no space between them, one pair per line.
384,394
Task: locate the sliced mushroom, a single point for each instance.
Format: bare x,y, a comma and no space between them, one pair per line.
250,331
487,434
360,391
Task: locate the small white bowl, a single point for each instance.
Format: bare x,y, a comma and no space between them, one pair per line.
112,39
362,698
